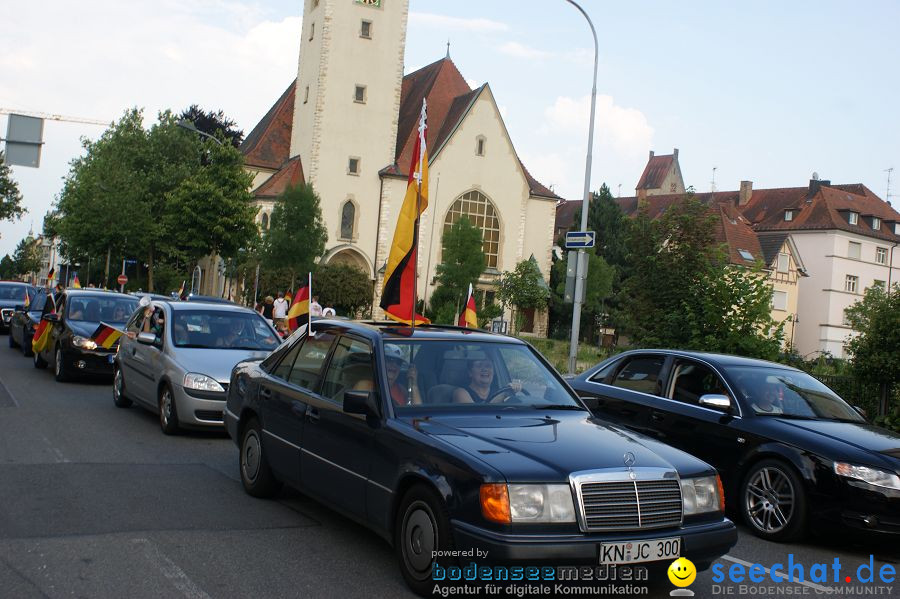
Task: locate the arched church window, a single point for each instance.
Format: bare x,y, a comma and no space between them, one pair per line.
348,218
265,221
480,211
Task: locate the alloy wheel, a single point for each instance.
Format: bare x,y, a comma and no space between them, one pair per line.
769,500
165,410
58,363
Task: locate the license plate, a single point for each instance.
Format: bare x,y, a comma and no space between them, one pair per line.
633,552
112,358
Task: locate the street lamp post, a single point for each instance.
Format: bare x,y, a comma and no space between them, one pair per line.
581,263
185,124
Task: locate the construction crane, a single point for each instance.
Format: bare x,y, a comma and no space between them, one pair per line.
56,117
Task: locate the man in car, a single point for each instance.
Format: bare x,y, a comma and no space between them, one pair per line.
401,395
765,400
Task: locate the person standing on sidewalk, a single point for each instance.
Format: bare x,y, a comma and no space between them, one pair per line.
268,309
315,308
280,310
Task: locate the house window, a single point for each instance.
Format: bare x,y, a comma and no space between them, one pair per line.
359,94
365,29
265,221
854,250
476,207
850,283
784,263
788,215
312,31
353,166
746,255
878,284
672,187
306,95
876,223
896,228
479,145
845,320
853,218
348,219
779,300
881,255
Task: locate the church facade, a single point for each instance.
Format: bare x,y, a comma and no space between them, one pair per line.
347,125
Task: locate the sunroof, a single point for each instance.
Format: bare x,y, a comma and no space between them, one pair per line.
746,255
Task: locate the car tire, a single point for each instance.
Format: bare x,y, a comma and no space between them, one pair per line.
59,366
38,361
168,412
120,399
773,501
26,345
256,474
422,526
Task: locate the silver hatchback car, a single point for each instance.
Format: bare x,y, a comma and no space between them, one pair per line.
175,359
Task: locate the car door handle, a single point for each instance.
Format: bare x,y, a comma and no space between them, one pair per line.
312,413
265,393
657,416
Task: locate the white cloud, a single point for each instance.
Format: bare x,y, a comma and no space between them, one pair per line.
517,50
625,129
456,23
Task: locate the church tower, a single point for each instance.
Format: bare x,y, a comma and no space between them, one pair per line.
346,107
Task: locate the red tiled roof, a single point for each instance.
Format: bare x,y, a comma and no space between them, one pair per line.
655,172
290,174
565,215
269,144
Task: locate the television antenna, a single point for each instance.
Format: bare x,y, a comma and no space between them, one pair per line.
887,194
712,184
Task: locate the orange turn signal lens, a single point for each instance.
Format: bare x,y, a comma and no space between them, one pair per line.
495,503
721,493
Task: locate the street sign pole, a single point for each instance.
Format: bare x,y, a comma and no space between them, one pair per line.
580,273
121,284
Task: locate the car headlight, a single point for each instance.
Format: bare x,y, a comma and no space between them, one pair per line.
702,495
867,474
83,342
527,503
201,382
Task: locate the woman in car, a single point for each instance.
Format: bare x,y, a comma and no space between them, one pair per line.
481,379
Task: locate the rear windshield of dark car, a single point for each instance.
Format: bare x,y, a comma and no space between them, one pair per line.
12,292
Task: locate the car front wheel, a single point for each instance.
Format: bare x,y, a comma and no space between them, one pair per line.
422,527
256,474
773,502
119,397
168,414
59,366
12,342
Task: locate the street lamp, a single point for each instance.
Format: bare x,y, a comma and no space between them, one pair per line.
185,124
581,263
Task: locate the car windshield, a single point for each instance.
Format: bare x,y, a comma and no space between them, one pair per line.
467,375
12,292
222,329
111,309
792,394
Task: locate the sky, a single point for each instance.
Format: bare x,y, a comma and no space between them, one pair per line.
766,91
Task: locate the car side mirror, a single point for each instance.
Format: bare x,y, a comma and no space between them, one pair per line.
146,338
714,401
50,317
362,402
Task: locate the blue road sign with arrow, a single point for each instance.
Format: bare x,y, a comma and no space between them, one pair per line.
580,239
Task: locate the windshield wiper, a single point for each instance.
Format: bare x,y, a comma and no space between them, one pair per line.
558,406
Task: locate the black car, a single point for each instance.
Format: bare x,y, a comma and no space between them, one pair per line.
78,314
442,437
25,319
790,450
12,294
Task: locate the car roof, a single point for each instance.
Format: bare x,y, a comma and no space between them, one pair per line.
715,359
389,330
210,299
94,292
178,306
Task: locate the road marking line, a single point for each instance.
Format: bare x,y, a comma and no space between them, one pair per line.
9,394
781,574
171,571
60,458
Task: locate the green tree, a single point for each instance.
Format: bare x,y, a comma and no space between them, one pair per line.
26,258
10,197
524,288
875,352
462,263
296,236
213,123
7,267
345,288
599,288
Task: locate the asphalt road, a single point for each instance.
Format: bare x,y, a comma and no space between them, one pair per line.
96,502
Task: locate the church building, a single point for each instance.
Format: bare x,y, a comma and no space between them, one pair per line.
347,125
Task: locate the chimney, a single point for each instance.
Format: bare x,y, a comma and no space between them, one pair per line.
675,154
746,193
815,185
651,153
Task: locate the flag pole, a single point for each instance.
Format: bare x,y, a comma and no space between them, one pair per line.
309,302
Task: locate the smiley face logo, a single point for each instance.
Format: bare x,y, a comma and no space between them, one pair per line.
682,572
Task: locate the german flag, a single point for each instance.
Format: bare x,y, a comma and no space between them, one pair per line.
299,311
288,296
181,293
398,295
41,336
27,300
76,284
106,336
468,318
50,274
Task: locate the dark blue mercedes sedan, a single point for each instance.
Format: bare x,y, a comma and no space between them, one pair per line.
450,442
792,453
